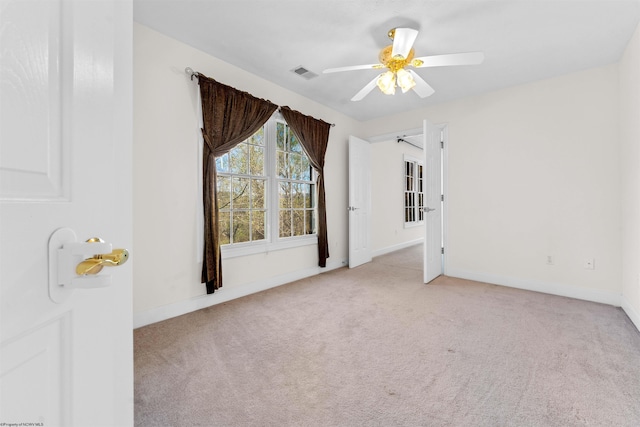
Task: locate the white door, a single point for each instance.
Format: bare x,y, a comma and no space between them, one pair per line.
359,202
433,210
65,163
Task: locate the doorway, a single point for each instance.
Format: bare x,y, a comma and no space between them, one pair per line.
388,153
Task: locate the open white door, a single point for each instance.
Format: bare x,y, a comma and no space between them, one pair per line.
359,202
432,209
65,164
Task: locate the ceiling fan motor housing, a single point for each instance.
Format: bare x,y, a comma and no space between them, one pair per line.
394,64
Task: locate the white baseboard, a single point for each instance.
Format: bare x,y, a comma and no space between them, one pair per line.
570,291
225,294
633,314
397,247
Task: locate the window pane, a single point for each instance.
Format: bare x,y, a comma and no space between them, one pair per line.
256,160
258,194
240,193
285,195
309,196
258,137
297,196
257,225
239,157
295,166
280,137
283,171
285,223
224,227
224,192
311,221
294,144
409,176
222,163
305,174
240,227
298,222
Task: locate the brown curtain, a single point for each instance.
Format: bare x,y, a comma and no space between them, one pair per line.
230,116
313,134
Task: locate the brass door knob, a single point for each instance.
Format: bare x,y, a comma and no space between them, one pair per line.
95,264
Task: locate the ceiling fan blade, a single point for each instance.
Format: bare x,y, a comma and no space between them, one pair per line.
354,67
403,41
422,88
469,58
365,90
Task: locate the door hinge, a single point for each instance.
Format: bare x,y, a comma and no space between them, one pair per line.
442,251
442,197
441,144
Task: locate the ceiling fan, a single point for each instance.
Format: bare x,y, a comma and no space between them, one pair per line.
396,57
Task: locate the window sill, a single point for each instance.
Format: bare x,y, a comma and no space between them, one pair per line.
244,249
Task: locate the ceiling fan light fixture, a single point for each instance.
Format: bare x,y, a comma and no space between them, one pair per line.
387,83
399,60
405,80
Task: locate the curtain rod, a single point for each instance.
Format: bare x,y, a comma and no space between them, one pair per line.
330,124
191,73
399,140
195,74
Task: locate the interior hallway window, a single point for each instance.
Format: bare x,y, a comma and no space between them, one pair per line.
266,189
413,191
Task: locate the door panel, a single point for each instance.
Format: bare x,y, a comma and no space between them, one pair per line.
34,369
31,84
65,151
359,202
433,210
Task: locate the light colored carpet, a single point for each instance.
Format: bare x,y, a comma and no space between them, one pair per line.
373,346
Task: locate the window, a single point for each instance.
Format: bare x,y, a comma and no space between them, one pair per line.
413,191
242,186
266,192
296,191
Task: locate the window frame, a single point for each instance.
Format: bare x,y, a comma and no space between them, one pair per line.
418,212
273,241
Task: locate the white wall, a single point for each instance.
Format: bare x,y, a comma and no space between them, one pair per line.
387,197
166,271
533,171
630,176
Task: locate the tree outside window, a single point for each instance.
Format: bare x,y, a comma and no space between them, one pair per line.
296,191
247,178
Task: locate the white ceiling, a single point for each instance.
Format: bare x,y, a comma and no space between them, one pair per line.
522,41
